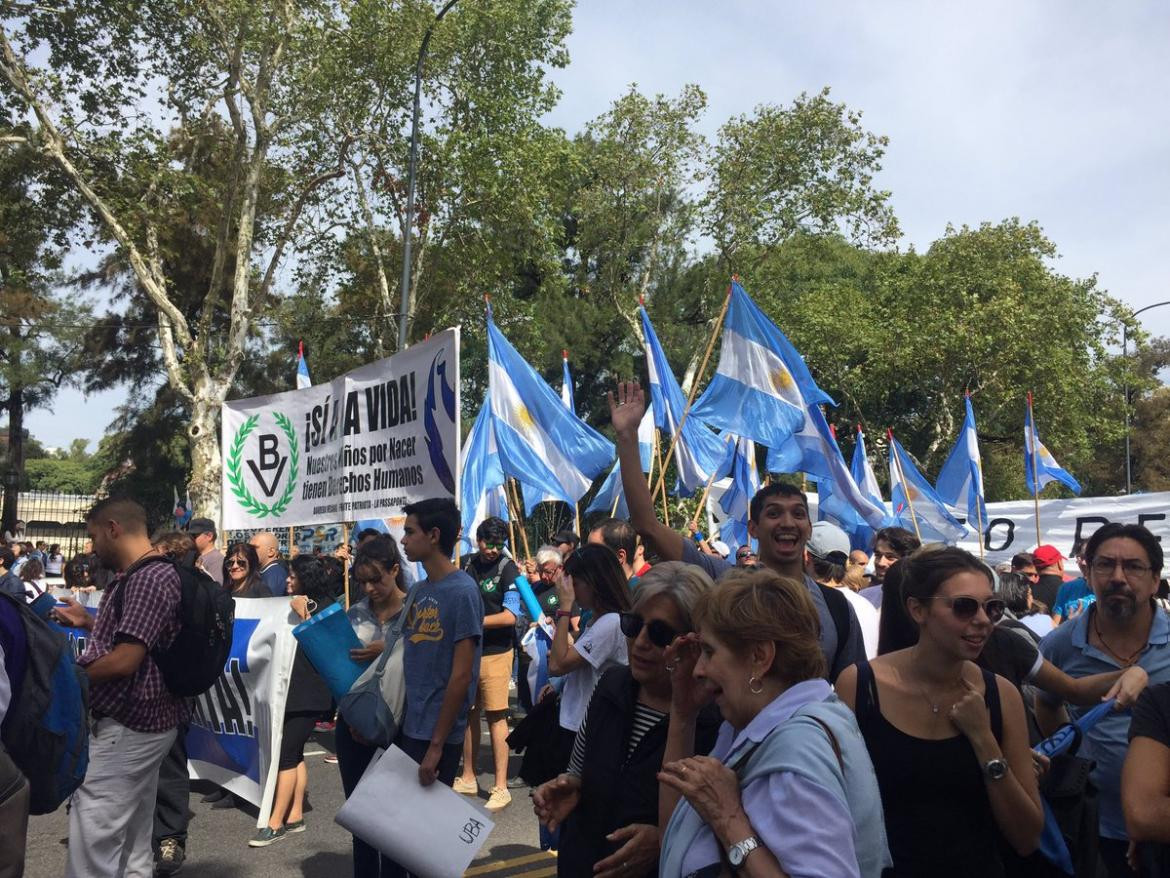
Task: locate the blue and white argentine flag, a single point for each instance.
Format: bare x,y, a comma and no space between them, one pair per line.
611,488
699,453
761,386
482,484
303,379
1038,460
960,481
736,500
862,470
915,501
539,441
567,383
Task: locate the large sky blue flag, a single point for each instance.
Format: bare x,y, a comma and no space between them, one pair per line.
699,452
862,470
611,489
915,501
481,488
539,441
736,500
761,386
960,482
1038,460
567,383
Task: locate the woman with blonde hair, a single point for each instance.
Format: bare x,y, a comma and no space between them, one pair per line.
789,787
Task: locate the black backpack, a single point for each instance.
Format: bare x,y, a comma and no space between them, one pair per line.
207,612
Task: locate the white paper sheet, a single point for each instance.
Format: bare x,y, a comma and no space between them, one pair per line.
432,831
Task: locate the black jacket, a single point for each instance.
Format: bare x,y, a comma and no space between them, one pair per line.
616,791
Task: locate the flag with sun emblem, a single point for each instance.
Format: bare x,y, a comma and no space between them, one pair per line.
1040,467
916,505
698,452
540,442
761,385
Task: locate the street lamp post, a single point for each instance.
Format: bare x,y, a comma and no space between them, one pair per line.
1125,355
404,312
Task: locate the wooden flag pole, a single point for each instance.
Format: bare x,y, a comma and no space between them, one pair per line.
345,567
519,521
905,486
1032,455
694,388
661,482
703,496
979,516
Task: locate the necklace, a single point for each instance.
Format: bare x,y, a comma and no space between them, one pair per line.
1126,661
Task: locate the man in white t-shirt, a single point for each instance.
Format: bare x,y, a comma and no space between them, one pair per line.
826,554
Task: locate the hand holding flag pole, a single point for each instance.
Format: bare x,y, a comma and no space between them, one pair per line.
663,464
902,479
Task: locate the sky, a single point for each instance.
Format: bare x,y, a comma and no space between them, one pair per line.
1049,111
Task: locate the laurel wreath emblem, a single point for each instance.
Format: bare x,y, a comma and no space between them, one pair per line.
235,474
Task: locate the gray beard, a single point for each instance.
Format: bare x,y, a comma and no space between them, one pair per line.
1119,610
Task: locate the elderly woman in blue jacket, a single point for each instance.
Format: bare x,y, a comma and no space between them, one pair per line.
789,788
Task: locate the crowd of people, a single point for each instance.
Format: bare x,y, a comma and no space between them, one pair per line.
800,707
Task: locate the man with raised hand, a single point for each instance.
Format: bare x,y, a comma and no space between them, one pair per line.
778,520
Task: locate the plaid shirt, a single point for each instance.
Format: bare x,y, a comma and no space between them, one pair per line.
142,607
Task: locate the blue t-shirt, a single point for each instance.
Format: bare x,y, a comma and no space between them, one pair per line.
442,614
1070,592
1069,649
275,576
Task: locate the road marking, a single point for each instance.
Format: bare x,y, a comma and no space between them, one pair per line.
503,866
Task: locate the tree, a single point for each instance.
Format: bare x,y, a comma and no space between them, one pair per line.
277,97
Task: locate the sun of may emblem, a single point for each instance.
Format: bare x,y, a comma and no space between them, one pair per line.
271,469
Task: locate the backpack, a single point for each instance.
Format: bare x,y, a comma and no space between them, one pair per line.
838,606
195,659
46,729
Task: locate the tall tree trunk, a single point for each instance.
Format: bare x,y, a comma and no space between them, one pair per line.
14,475
206,464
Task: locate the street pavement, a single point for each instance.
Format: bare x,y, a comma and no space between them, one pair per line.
217,845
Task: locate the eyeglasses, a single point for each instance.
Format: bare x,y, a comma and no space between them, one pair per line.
660,634
739,556
965,608
1131,569
236,562
496,546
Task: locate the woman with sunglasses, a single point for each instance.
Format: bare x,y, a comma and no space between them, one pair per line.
313,586
607,800
948,739
241,572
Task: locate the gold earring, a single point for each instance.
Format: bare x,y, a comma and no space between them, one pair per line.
755,685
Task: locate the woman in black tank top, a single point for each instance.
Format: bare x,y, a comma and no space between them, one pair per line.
948,740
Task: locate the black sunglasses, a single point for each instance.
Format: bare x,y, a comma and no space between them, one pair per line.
965,608
660,634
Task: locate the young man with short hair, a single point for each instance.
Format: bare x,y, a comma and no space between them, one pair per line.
619,535
134,715
442,643
495,574
778,520
890,545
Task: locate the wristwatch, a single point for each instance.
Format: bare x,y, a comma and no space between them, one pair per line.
995,769
738,852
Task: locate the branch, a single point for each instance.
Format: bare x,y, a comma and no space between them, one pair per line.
54,145
376,248
174,369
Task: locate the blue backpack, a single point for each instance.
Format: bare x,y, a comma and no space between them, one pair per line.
46,730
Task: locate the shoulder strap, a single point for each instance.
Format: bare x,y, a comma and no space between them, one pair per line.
832,740
866,696
839,613
394,635
991,699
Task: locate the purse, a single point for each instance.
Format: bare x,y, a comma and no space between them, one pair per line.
374,705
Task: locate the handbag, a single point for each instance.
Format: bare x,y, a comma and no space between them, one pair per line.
374,705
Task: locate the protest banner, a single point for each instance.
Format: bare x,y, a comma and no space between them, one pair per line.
234,737
362,446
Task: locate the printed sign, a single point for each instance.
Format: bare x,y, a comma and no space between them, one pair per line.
362,446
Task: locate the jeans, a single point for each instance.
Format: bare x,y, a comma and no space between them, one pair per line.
172,803
112,815
352,761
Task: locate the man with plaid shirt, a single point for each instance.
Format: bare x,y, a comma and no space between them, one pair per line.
133,715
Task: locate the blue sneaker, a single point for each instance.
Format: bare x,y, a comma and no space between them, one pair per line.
266,836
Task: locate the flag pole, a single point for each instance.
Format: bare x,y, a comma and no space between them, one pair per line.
905,486
703,497
695,385
345,568
519,521
979,511
1032,455
661,482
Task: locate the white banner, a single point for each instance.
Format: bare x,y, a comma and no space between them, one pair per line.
234,738
362,446
1011,525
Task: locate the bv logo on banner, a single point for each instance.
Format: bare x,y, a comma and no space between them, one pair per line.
362,446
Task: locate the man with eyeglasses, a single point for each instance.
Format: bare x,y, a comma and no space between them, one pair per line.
1121,629
745,557
210,559
495,573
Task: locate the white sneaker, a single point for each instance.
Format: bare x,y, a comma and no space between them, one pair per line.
499,799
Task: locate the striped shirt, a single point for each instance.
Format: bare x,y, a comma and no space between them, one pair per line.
645,718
